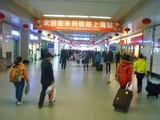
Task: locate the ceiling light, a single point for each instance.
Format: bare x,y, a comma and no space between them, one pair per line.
47,15
100,17
78,16
92,35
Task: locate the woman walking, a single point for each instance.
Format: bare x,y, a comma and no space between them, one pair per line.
19,85
141,70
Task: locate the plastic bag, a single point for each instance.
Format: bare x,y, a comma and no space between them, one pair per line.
27,87
52,96
49,89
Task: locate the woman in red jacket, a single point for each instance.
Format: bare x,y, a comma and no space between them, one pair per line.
124,71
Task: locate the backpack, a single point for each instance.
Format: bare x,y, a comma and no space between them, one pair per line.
15,74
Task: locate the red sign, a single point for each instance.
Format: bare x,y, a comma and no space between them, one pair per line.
136,39
122,42
78,25
82,42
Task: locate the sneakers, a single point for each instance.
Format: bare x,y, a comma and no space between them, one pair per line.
19,103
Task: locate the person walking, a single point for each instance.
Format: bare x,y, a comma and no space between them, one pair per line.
86,60
124,71
19,86
47,77
108,59
103,55
64,58
118,56
141,70
97,59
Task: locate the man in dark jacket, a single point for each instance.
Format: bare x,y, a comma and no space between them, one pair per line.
108,59
47,77
85,60
64,58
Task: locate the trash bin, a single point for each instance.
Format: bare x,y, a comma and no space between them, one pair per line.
3,63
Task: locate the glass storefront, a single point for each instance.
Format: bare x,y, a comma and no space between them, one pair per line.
34,48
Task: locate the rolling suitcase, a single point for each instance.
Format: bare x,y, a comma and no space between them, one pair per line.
123,98
99,67
153,89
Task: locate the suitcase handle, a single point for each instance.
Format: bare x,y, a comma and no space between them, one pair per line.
129,86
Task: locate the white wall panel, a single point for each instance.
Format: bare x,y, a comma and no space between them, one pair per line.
156,54
148,44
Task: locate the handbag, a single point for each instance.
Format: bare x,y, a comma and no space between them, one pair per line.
27,87
135,72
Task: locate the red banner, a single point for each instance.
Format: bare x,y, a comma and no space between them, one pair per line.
78,25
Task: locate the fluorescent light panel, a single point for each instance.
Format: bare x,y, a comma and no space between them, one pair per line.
77,16
102,17
47,15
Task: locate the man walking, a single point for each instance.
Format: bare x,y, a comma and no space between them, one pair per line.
47,77
64,58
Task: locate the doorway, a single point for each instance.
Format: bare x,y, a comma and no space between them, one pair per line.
15,49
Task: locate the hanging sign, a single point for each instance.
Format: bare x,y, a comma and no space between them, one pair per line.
78,25
82,42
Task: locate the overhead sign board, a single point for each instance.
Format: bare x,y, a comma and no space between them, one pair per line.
82,42
78,25
112,48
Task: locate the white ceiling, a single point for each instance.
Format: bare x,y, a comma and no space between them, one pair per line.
77,7
119,10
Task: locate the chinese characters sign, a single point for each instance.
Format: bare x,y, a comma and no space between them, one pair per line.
82,42
78,25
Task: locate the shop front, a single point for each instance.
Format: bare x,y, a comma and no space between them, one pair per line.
131,45
16,43
34,47
10,43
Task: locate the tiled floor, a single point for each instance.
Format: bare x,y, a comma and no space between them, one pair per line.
81,95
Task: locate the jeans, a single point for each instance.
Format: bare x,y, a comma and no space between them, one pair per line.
117,62
43,94
108,67
63,64
85,65
19,89
140,77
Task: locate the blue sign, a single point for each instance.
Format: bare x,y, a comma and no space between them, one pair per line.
112,48
51,45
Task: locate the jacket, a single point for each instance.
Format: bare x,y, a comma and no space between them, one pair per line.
141,66
47,72
118,56
109,57
86,59
64,55
97,58
124,72
23,71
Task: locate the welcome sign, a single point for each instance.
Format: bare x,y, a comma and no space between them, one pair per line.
78,25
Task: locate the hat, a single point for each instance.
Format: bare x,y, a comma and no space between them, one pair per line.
48,54
126,57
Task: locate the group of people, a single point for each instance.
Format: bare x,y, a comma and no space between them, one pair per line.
47,78
124,71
